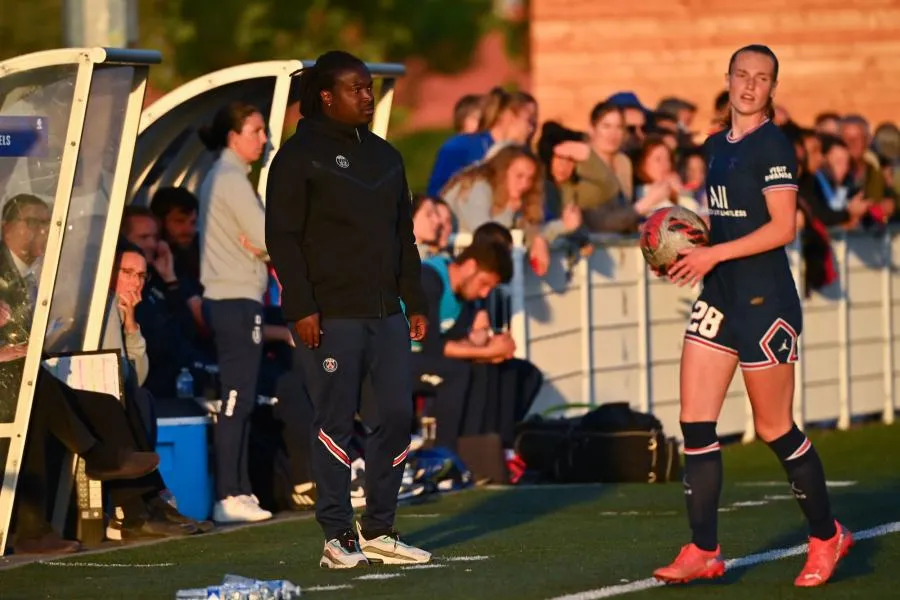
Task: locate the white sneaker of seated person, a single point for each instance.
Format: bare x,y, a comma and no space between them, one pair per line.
239,509
389,550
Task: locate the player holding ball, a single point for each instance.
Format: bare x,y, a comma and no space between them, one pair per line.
748,314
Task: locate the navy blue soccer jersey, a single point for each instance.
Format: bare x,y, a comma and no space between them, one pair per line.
739,173
749,307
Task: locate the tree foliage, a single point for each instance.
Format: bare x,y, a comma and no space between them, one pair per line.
29,26
198,37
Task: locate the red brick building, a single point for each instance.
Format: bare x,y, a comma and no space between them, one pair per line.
835,54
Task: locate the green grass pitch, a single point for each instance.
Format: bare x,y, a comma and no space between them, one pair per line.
537,542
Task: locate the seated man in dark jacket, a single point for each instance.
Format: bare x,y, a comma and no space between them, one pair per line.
458,362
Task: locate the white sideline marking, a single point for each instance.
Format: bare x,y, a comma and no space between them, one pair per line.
377,576
749,503
414,516
420,567
834,484
734,563
327,588
462,558
107,565
634,513
777,497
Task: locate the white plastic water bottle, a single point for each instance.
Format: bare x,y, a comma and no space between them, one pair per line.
184,385
275,589
235,587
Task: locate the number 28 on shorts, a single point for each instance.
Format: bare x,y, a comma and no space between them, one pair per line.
705,320
760,336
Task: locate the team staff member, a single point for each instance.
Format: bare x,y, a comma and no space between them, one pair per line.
234,278
339,231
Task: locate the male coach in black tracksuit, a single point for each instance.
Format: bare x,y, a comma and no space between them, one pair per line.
339,233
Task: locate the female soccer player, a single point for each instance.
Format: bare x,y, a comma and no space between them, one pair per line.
748,314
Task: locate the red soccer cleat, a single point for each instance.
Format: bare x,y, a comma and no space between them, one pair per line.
824,555
693,563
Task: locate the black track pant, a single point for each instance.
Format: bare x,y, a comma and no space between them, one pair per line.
350,349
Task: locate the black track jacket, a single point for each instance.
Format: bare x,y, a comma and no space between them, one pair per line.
339,225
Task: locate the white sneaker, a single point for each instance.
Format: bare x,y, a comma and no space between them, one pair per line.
342,552
252,499
253,502
389,550
239,509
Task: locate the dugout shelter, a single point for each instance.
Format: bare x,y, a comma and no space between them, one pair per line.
68,123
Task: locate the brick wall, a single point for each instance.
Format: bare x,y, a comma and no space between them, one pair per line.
835,54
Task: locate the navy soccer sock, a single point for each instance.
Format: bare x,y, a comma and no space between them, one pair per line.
702,481
807,478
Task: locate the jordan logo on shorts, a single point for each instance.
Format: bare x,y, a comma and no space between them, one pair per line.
779,344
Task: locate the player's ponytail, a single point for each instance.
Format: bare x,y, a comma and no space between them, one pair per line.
770,108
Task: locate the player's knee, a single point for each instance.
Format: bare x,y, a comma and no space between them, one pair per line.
770,428
696,410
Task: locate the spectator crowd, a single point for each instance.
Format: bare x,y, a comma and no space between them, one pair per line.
192,288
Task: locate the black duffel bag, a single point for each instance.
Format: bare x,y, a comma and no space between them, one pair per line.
610,444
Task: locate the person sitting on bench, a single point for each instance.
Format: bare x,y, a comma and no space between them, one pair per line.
442,362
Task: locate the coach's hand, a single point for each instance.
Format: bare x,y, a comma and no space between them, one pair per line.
418,327
693,265
309,330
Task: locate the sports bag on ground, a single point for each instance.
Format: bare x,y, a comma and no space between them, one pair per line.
610,444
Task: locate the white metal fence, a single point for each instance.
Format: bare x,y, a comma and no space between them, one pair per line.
613,333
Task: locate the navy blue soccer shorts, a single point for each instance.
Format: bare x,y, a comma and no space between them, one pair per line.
760,331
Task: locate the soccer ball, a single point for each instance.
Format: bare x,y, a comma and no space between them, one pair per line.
668,231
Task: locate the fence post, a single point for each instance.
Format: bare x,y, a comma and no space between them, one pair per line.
518,320
887,311
844,333
643,315
587,331
796,256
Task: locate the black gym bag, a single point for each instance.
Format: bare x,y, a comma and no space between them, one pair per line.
610,444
